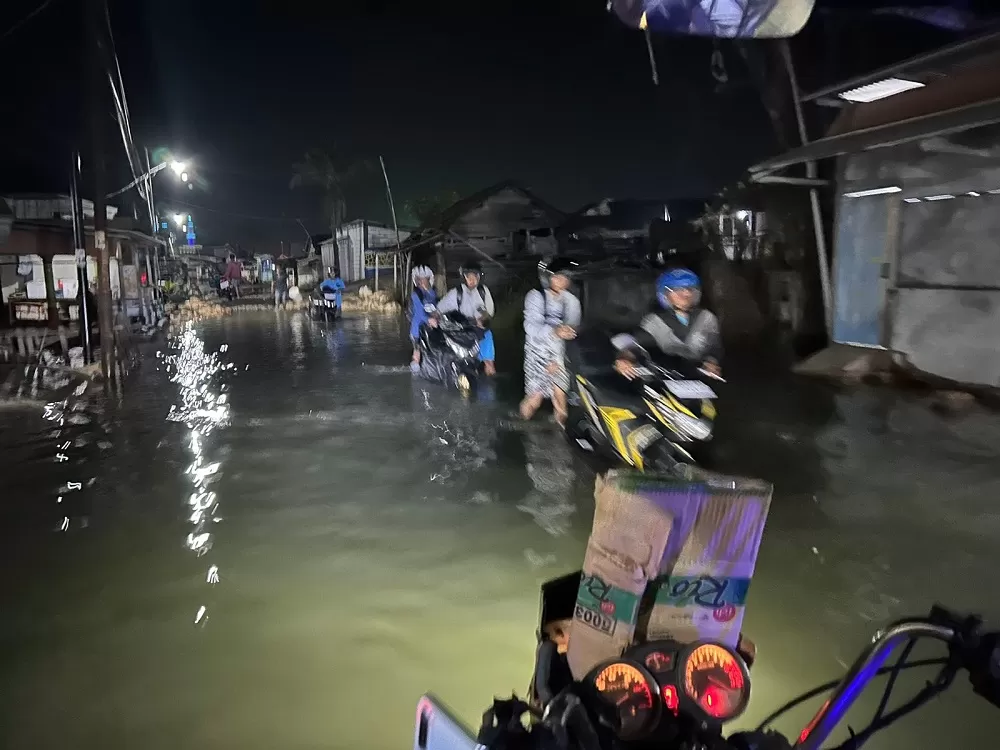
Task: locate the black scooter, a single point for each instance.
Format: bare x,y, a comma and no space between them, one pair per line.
663,421
323,306
449,352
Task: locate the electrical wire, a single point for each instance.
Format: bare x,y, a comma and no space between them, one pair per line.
118,68
121,105
827,686
893,676
929,691
24,20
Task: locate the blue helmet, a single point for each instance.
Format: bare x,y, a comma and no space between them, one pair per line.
678,278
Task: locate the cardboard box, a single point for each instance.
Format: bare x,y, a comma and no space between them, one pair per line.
666,559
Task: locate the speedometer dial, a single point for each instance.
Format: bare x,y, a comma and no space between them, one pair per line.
716,679
632,694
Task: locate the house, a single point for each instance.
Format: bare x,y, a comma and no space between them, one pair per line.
916,274
622,225
499,226
360,248
38,265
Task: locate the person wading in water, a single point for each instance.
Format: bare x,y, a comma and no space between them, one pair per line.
551,316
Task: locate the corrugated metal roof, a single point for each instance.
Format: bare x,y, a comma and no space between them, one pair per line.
978,82
888,134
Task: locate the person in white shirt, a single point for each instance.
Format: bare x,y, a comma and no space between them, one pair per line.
475,303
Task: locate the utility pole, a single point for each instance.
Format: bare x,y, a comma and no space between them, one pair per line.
105,314
80,243
395,225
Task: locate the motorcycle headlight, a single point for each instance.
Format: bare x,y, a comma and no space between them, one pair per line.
690,427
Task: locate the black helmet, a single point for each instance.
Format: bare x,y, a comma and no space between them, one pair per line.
561,265
472,266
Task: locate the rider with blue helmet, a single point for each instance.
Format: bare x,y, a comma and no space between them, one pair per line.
681,328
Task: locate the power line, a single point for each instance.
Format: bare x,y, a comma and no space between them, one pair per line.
24,20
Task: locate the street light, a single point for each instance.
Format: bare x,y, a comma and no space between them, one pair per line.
177,167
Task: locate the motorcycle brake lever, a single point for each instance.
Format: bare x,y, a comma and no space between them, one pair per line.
710,374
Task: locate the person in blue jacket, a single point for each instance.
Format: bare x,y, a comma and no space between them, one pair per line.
423,295
333,283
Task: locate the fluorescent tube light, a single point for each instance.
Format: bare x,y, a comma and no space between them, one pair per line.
880,90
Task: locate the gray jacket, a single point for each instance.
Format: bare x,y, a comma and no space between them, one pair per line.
699,339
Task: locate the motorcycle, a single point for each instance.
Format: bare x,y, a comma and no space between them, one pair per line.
671,696
663,421
449,352
323,306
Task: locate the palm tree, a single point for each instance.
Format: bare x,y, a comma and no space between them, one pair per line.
321,169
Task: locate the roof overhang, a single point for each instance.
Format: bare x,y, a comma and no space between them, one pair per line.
884,136
919,70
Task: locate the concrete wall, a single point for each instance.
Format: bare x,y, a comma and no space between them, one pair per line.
946,316
942,292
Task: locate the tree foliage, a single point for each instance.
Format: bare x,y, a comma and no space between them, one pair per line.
324,170
426,208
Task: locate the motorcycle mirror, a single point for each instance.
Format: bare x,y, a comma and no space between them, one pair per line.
719,19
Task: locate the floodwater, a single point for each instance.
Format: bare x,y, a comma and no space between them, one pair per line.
278,539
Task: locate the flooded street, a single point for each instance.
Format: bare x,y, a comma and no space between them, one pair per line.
279,539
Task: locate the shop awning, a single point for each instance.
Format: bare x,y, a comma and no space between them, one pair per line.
883,136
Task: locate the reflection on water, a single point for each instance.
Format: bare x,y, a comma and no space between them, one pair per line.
202,408
550,466
382,538
66,417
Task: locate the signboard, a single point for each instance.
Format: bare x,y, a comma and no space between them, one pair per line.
38,312
30,311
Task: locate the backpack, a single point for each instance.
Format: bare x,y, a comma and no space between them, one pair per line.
460,292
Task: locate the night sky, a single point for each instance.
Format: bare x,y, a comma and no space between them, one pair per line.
553,93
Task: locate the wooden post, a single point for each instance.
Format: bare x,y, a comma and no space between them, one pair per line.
404,287
50,292
98,114
442,270
392,208
826,285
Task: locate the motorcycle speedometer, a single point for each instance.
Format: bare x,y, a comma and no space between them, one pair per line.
717,680
632,693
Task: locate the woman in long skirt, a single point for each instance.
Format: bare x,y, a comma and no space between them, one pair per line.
551,317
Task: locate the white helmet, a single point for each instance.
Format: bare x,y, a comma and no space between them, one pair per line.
422,272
